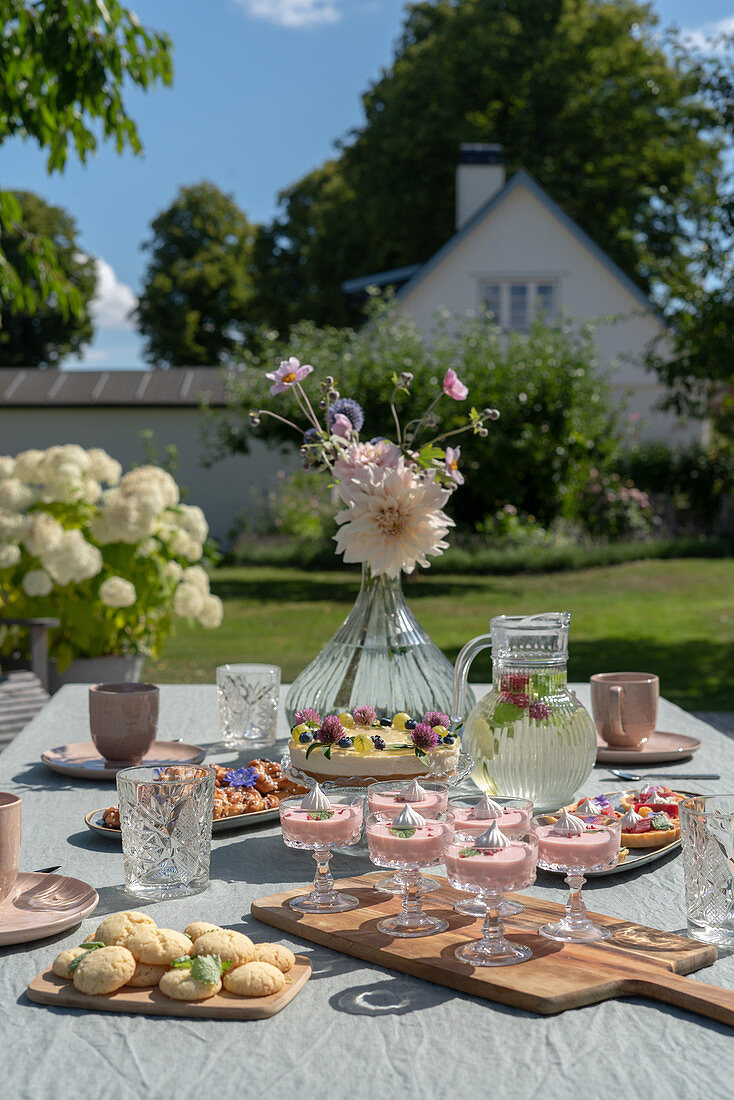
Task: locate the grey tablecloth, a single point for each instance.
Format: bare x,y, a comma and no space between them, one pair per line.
355,1031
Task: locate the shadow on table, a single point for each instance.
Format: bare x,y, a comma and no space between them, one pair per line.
266,859
38,777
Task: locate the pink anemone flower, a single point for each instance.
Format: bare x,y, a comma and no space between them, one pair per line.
453,386
288,373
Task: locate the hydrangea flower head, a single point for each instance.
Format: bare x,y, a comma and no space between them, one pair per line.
423,737
241,777
331,731
306,714
364,716
288,373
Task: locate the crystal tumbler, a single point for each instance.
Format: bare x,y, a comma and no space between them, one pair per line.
166,823
707,833
248,704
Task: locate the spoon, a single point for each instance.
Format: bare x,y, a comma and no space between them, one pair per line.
634,778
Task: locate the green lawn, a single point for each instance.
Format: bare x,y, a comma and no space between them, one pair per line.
675,618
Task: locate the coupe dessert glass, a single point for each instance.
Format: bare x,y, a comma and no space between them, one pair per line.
427,798
568,843
407,842
473,814
488,865
317,824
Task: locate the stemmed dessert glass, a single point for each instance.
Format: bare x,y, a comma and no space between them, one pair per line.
386,798
336,821
594,847
517,815
488,865
407,849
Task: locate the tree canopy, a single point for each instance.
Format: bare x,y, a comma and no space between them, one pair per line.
43,336
621,130
194,307
63,67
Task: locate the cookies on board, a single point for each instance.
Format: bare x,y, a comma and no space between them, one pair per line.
61,962
147,975
158,946
276,955
199,927
104,970
116,929
180,986
228,944
254,979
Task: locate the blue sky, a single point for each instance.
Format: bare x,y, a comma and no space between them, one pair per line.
262,89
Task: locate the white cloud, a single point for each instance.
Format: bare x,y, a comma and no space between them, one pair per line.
700,36
113,301
294,13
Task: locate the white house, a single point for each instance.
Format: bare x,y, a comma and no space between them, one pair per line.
516,252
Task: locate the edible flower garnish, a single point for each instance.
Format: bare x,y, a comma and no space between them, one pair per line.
328,734
307,714
435,718
364,716
241,777
424,740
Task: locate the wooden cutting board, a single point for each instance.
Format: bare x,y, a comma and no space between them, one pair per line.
636,961
47,989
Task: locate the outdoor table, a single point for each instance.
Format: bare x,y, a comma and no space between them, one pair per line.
355,1030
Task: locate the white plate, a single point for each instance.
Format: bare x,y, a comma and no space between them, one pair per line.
222,825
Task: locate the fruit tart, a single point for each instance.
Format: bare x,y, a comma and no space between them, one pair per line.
649,828
659,799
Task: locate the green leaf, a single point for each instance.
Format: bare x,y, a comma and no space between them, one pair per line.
430,453
506,714
404,834
466,853
182,962
320,815
95,946
206,968
312,746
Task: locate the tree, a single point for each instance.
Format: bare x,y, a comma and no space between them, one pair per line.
623,132
63,66
43,336
194,308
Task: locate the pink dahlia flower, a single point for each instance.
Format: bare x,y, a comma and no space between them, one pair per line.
288,373
453,386
453,454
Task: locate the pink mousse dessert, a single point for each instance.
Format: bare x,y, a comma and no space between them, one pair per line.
319,823
408,840
512,815
493,864
570,843
389,798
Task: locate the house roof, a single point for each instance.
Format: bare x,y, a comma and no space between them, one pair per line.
382,278
521,178
181,387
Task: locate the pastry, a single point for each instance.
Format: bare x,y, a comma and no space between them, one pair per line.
228,944
357,744
104,970
254,979
147,975
158,946
649,830
179,985
118,927
61,962
199,927
276,955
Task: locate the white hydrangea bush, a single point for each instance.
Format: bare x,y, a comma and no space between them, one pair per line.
112,555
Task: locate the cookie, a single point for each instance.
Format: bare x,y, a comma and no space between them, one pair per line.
158,946
226,943
199,927
61,962
276,955
147,975
104,970
254,979
116,929
180,986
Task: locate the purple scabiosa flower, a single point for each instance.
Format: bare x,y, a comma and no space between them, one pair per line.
350,408
306,714
435,718
240,777
364,716
331,731
423,737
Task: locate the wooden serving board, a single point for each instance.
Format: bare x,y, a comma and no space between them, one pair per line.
47,989
636,961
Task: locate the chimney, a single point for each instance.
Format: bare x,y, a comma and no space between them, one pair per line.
480,174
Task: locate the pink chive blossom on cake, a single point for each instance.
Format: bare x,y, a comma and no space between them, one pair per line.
306,714
331,731
539,711
435,718
364,716
423,737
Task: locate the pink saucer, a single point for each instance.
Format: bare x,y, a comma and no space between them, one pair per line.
82,760
660,748
43,905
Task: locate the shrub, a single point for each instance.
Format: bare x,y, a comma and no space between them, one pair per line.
690,484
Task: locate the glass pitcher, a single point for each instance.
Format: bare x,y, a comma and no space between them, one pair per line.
530,736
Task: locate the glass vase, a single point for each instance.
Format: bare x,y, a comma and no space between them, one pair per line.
380,655
530,736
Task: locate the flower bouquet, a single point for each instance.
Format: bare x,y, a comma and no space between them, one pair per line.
393,494
110,555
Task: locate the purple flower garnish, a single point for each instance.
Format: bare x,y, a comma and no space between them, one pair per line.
364,716
331,731
241,777
435,718
423,737
346,406
306,714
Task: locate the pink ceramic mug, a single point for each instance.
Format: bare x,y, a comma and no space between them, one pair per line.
10,814
625,707
123,719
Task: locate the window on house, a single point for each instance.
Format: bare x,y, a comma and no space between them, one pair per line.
513,304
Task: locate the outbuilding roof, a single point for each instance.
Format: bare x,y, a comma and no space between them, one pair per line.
183,386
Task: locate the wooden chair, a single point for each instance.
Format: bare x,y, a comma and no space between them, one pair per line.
24,692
